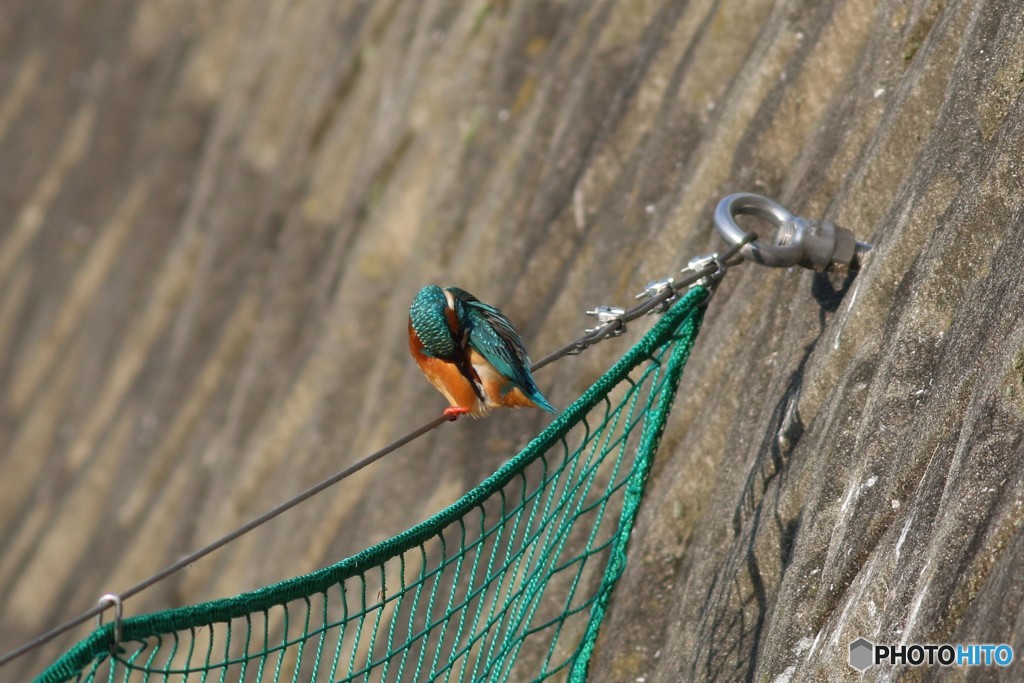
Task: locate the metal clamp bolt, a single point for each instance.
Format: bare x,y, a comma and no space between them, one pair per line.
700,263
655,288
605,315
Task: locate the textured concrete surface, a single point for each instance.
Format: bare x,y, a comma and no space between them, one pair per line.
213,217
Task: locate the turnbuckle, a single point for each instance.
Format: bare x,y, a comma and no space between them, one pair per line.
819,245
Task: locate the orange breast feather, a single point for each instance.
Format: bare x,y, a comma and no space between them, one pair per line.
445,377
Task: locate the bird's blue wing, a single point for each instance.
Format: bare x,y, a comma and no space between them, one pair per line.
491,333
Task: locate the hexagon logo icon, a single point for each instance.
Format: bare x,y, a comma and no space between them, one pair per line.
862,654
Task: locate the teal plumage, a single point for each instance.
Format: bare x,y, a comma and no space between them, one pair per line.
492,335
471,352
428,319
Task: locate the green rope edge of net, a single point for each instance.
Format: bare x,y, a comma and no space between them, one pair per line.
654,427
681,324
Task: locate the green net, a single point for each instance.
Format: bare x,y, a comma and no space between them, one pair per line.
509,583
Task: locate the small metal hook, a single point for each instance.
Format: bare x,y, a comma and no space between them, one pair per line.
819,245
114,600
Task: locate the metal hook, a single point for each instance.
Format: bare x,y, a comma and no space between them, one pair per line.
798,241
114,600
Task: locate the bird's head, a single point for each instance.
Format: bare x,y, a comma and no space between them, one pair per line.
431,316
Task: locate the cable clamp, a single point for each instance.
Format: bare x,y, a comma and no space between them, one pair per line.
111,600
654,289
606,315
700,264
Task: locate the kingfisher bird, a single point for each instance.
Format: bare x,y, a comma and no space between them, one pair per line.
471,353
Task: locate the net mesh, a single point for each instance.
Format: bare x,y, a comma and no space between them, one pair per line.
509,583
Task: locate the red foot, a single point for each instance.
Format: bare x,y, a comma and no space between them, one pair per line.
454,412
